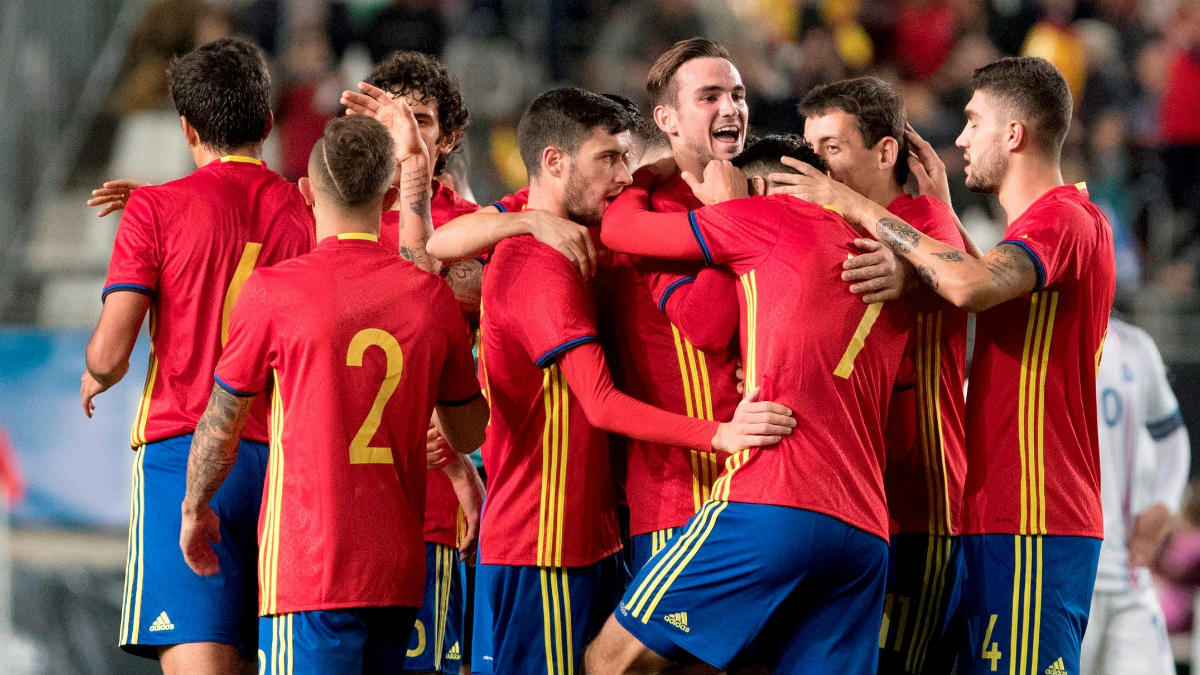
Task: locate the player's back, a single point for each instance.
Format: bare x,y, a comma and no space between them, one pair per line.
190,244
362,345
809,344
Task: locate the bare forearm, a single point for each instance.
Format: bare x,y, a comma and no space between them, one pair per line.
416,224
214,446
465,278
464,477
475,233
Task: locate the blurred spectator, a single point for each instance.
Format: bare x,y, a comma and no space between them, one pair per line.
1180,120
406,24
308,98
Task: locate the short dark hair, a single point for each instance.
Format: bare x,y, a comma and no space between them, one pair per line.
223,88
352,163
876,107
565,117
645,131
660,82
1037,93
762,154
423,78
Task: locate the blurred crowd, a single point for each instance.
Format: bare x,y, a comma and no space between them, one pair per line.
1133,67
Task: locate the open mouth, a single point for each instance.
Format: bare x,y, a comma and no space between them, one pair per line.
729,133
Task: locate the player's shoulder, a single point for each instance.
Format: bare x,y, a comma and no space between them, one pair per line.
513,202
1066,205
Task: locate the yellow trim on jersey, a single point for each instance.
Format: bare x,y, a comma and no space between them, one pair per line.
240,274
930,610
845,366
697,398
1100,350
721,487
358,236
268,558
131,601
930,433
555,447
556,621
137,437
242,159
1031,396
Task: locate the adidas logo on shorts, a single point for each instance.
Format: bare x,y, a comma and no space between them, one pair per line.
162,623
1057,668
455,653
679,620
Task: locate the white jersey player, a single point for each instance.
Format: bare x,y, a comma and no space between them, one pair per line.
1144,457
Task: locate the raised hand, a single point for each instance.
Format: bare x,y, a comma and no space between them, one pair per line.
393,113
113,195
722,181
567,237
927,167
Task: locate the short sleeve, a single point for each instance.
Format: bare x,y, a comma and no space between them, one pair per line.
738,231
135,260
1162,408
458,385
513,203
1056,240
550,306
248,355
663,278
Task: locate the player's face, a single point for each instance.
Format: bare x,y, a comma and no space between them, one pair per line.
426,114
982,143
836,138
598,172
710,113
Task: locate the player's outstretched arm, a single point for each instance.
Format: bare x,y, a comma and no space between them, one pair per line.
463,425
631,227
108,350
1004,273
112,195
755,424
477,233
214,450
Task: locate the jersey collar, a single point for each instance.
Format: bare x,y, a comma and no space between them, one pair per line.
242,159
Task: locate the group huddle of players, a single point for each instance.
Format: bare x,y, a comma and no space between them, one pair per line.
757,345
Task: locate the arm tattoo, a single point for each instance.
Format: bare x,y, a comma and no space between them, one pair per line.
950,256
898,235
928,275
214,444
1008,264
466,278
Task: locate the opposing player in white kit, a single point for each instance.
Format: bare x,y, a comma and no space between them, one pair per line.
1144,455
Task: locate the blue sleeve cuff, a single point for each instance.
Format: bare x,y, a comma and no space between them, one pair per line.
1037,262
700,238
662,302
455,404
498,205
236,392
482,260
1165,427
136,288
550,356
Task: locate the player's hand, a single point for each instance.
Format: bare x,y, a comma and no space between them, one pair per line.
1149,530
472,511
721,182
812,185
89,387
740,374
755,424
875,274
661,170
113,195
927,167
197,533
438,452
567,237
393,113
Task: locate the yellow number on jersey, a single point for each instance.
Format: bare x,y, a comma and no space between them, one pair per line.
857,341
361,452
991,652
244,268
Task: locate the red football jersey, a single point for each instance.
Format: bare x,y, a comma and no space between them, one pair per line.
926,455
1031,405
665,485
836,369
441,504
190,244
359,344
550,496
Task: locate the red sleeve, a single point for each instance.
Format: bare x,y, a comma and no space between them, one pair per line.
609,409
631,227
512,203
458,384
1054,240
135,263
247,357
556,308
704,307
741,230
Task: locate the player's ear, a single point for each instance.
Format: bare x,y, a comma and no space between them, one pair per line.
447,142
268,125
888,150
1015,136
758,185
306,191
189,132
390,196
554,161
664,117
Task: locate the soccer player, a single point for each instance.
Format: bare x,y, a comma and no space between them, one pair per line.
548,574
857,127
454,491
1144,457
1032,498
790,551
359,345
183,250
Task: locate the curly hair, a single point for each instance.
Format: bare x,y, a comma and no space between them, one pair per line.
423,78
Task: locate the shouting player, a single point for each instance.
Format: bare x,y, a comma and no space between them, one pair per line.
1032,503
183,251
785,564
359,345
857,127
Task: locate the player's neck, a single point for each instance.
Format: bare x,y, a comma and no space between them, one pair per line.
546,196
885,192
1026,182
688,161
203,154
332,221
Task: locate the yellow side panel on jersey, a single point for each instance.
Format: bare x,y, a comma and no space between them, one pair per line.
1031,395
555,437
268,545
138,436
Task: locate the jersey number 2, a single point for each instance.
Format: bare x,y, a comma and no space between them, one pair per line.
361,452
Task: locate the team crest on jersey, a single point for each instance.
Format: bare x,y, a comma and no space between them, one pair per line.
1057,668
679,620
162,623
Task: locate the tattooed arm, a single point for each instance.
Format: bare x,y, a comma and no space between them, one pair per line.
465,278
214,450
416,224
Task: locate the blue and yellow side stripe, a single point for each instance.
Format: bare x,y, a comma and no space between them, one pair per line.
749,281
443,575
283,660
131,600
1026,627
645,598
556,621
697,398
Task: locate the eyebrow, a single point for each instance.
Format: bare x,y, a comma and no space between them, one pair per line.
717,89
826,139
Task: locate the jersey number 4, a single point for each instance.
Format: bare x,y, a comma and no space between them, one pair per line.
361,452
